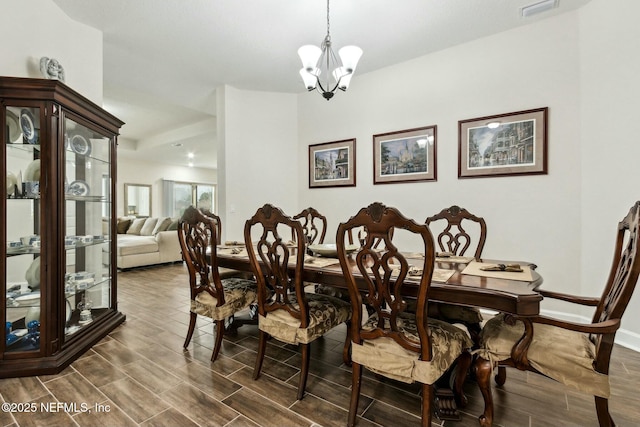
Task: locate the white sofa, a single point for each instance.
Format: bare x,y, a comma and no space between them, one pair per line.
146,241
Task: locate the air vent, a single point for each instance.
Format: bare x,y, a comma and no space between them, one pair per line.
535,8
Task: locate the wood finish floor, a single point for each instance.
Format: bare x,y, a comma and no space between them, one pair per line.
142,375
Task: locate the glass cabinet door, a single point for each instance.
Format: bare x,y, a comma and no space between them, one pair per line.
88,201
22,228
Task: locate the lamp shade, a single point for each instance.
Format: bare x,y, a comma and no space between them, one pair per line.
309,79
350,55
309,55
343,77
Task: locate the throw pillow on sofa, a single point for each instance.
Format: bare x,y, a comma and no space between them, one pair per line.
162,225
174,225
148,227
123,225
136,226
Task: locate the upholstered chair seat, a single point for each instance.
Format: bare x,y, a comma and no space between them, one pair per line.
456,313
564,355
386,357
325,313
238,294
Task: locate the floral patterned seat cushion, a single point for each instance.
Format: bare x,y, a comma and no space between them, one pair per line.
566,356
325,313
386,357
238,294
453,313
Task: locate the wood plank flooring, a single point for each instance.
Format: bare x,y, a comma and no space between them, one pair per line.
140,376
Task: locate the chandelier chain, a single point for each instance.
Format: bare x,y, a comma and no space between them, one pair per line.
327,17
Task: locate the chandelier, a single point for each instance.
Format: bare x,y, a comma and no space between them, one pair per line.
321,69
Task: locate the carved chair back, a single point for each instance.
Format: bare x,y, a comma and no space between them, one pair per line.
314,225
270,259
197,234
454,238
218,223
384,271
361,233
620,284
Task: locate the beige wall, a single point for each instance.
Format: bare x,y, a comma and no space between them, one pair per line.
31,29
610,153
257,157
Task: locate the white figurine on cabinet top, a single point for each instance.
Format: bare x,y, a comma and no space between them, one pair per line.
51,68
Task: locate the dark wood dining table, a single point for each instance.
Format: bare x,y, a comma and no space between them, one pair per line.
517,298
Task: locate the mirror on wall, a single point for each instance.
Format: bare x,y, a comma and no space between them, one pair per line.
137,200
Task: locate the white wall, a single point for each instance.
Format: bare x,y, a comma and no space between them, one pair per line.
31,29
554,63
137,172
610,103
507,72
257,156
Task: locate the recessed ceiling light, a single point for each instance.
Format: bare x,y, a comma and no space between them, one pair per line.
190,155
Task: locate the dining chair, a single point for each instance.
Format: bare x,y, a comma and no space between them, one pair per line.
314,225
393,341
290,314
211,296
575,354
223,272
454,238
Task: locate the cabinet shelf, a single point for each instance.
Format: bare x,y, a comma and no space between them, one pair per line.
75,150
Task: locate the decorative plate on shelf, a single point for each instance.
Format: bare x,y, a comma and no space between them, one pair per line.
32,275
13,123
80,145
78,188
12,181
28,299
32,173
28,125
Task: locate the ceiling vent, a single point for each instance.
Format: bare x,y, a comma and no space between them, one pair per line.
539,7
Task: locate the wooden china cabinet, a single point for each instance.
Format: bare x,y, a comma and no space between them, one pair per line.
58,272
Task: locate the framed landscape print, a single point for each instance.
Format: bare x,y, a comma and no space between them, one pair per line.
333,164
405,156
503,145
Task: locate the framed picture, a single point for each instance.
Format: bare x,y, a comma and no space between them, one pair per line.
405,156
503,145
333,164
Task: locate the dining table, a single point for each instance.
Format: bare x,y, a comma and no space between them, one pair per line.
456,279
494,284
